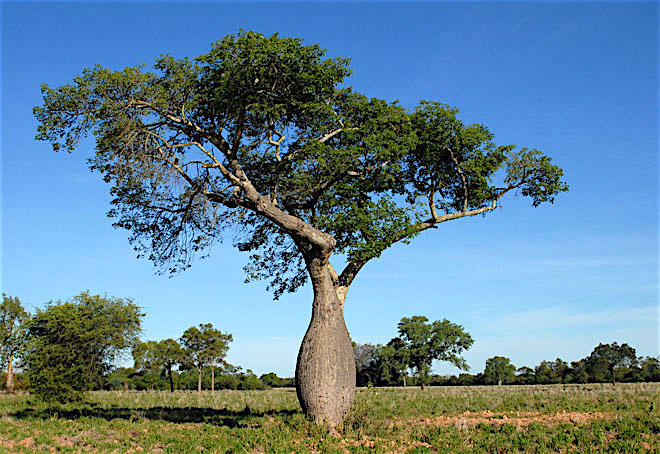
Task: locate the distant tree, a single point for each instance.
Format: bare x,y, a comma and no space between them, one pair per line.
249,381
202,347
548,372
12,335
392,363
72,345
499,370
158,357
366,361
650,369
260,136
424,342
579,372
525,375
272,380
610,358
121,378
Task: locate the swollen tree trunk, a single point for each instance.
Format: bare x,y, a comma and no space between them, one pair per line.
9,384
325,371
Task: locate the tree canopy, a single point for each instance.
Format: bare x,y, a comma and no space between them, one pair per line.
71,345
158,357
259,137
606,359
499,370
202,347
424,342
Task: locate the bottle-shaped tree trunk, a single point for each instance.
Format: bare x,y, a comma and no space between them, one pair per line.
325,371
9,384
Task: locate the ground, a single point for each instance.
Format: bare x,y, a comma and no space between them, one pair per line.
590,418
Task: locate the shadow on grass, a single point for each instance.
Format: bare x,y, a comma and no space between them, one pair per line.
218,417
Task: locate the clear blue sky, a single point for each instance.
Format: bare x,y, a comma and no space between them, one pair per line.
576,80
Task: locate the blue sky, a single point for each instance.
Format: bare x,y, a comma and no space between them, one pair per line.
576,80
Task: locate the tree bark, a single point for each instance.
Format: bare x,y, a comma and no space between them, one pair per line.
169,374
9,384
325,371
199,380
212,379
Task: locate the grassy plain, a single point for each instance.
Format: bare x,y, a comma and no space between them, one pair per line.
538,419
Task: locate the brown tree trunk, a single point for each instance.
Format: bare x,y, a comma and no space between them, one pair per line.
169,373
212,378
325,371
9,384
199,380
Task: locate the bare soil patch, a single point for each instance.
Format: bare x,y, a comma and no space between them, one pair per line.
518,419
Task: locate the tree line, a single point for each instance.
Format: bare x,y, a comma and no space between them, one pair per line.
71,347
385,365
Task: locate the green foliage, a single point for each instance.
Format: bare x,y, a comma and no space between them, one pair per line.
606,359
499,370
271,380
424,342
202,347
71,345
260,131
158,358
12,329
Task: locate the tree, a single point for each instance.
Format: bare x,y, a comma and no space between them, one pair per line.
424,342
258,137
12,321
202,347
650,368
366,360
158,357
525,375
609,358
548,372
578,372
71,345
392,362
499,370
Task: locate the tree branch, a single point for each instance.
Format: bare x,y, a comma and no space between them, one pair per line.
351,270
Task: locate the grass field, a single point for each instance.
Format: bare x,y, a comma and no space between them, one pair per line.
537,419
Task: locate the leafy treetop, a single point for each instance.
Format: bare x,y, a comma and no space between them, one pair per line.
258,137
424,342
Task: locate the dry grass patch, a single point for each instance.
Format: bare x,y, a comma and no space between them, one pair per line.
517,418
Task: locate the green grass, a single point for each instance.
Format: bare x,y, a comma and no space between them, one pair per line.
536,419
